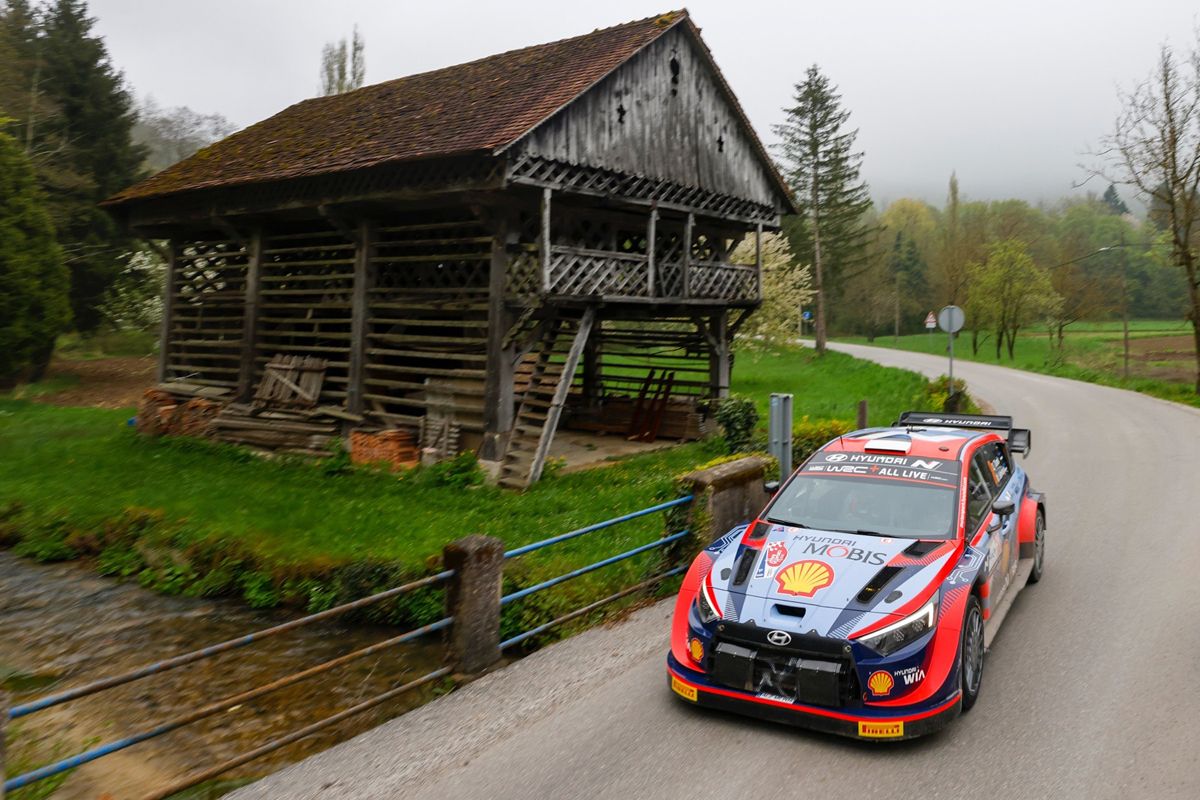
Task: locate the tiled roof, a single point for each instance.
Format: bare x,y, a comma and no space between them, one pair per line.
469,108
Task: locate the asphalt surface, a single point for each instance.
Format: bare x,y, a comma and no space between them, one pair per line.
1091,689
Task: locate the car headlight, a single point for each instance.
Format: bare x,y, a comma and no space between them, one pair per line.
705,608
893,637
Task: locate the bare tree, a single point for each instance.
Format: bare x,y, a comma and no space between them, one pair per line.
1155,148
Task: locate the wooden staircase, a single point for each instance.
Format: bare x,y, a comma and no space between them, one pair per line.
542,403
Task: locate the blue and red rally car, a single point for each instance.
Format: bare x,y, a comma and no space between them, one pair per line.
862,599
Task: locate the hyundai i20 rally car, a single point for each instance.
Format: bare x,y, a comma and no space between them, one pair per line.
861,600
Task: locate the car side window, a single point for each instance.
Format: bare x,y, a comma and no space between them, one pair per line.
980,491
996,466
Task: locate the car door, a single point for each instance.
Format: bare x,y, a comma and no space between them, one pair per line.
996,469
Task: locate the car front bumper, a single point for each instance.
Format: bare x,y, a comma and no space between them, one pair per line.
891,724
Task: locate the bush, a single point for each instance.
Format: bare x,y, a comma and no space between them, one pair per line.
34,282
738,417
808,435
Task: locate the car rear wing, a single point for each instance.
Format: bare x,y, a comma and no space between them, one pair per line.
1020,440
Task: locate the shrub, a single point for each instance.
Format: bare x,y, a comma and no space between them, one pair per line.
738,417
808,435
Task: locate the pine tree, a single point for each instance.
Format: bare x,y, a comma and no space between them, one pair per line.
95,120
1114,201
823,169
34,284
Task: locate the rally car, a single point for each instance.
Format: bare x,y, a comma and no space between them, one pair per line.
861,600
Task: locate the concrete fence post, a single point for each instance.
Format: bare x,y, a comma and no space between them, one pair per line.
726,495
473,599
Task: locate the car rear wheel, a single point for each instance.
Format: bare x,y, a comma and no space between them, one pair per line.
971,654
1039,548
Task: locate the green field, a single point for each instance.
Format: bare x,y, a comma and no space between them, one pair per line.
217,520
1161,361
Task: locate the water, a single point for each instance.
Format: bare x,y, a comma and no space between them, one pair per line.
61,625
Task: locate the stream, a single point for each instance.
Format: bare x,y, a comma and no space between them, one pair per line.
61,625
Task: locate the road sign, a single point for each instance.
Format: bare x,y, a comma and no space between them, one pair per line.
951,319
930,321
807,315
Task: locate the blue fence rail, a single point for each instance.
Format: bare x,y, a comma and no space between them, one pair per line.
204,712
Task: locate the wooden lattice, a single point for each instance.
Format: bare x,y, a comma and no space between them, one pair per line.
723,281
207,297
578,272
539,171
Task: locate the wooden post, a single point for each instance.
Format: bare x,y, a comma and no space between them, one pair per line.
364,247
250,316
591,368
164,339
718,358
688,232
862,414
651,231
498,386
758,276
545,242
473,599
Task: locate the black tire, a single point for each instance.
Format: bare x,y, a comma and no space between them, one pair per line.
1039,548
970,668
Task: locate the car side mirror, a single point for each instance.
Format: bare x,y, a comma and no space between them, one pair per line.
771,487
1003,508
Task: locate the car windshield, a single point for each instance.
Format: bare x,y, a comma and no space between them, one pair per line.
860,504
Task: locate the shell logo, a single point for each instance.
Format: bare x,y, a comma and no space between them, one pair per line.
696,650
880,683
804,578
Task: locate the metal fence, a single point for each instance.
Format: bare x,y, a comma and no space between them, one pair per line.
447,577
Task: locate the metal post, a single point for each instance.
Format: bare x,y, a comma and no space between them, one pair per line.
473,600
4,703
950,390
779,432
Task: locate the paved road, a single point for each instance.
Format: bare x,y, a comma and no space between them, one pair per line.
1091,690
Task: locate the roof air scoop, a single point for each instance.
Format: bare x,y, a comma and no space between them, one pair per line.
888,445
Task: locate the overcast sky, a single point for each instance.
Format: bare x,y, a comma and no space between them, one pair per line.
1009,94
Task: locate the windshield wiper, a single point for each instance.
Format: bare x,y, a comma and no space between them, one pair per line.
785,522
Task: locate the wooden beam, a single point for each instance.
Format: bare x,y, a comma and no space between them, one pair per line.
498,388
250,316
651,231
363,278
718,359
164,338
758,259
544,240
688,232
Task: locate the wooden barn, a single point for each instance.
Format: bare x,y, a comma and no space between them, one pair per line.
469,256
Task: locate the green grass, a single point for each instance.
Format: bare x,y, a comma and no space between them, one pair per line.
1091,352
106,344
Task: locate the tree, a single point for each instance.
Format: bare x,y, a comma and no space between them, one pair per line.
169,135
1008,292
950,259
823,169
34,284
1155,148
787,290
95,118
1114,201
343,66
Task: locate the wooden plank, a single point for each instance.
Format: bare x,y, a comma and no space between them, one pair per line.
688,233
363,274
440,356
498,386
758,260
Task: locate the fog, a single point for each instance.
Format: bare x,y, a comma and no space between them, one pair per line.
1011,96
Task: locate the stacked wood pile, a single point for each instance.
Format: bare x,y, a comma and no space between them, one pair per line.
396,448
299,432
164,412
682,420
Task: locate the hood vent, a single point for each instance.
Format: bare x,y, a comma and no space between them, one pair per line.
744,565
920,549
877,583
789,611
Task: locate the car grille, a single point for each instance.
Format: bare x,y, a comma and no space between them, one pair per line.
809,669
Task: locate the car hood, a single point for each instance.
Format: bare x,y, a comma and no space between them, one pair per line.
826,582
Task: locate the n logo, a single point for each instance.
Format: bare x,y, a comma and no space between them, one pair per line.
919,464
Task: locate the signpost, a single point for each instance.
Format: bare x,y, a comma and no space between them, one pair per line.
951,319
930,324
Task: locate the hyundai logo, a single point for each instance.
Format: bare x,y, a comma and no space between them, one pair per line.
836,457
779,638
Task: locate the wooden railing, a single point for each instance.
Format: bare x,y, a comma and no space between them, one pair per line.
581,272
